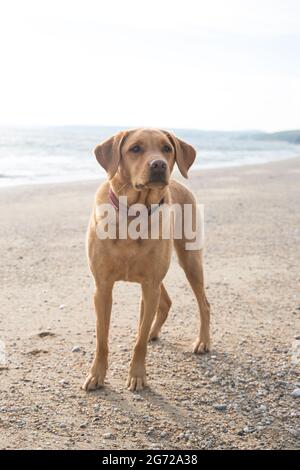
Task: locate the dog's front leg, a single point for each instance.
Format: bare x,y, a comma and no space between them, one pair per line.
103,304
137,372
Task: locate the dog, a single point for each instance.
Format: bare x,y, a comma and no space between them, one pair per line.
139,163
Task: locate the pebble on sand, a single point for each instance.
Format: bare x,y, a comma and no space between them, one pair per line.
137,397
296,393
220,407
294,432
262,408
64,382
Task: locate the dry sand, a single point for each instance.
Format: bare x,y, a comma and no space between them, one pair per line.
238,396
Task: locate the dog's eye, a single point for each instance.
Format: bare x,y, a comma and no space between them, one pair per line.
135,149
166,149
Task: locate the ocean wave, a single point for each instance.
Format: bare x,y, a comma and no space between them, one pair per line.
57,154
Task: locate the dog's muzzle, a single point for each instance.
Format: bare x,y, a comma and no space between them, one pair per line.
158,171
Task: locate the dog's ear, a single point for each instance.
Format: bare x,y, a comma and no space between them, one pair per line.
185,154
108,153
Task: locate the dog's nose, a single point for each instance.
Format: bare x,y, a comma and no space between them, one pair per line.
158,165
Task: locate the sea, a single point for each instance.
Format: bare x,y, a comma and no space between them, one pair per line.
35,155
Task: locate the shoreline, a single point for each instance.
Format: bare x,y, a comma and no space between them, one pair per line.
192,173
251,264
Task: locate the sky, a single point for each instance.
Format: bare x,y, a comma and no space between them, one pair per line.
205,64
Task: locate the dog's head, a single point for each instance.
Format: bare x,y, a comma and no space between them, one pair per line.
145,157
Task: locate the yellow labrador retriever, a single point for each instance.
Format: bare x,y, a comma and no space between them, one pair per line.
139,164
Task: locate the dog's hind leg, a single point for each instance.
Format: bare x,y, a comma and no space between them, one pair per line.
161,314
191,262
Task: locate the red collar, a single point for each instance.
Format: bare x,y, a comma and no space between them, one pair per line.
115,202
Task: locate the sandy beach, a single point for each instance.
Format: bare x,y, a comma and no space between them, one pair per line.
237,397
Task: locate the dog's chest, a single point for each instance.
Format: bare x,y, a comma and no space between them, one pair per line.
135,258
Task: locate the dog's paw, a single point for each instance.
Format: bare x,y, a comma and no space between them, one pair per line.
135,383
93,382
201,346
153,336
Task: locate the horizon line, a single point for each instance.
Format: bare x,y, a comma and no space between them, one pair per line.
179,128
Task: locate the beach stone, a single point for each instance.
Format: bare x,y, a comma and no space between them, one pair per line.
220,407
214,380
137,397
64,382
43,334
108,435
248,430
296,393
260,428
76,349
282,383
294,432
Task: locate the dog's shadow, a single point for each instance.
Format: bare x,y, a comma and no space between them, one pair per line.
177,413
129,402
133,403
